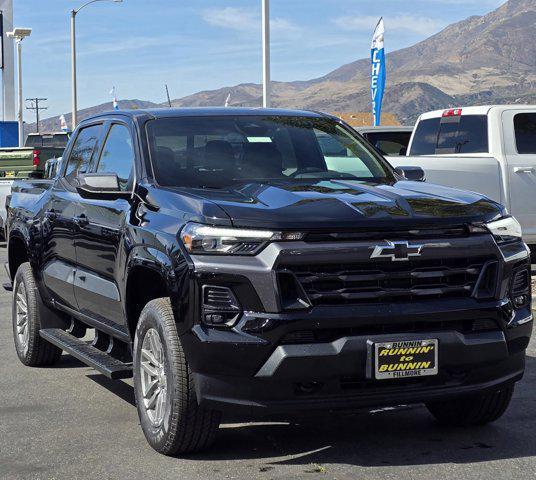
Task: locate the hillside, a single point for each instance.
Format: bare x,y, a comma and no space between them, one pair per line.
52,124
480,60
483,59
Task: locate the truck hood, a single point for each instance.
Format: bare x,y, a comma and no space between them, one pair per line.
349,204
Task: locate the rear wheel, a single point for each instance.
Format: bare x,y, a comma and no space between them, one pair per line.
474,410
170,417
31,349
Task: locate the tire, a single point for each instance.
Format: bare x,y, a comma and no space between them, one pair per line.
474,410
31,349
173,423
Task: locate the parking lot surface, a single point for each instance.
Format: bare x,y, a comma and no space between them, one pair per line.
69,422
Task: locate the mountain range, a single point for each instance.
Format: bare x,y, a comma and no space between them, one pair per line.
485,59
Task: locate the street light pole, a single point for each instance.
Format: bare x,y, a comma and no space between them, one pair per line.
74,119
19,34
266,82
19,73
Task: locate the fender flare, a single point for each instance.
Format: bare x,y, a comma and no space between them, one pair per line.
160,262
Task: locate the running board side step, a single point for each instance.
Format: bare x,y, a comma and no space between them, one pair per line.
87,353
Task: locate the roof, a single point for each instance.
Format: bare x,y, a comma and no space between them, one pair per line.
364,119
479,110
210,111
401,128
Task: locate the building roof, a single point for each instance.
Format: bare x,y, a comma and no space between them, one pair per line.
362,119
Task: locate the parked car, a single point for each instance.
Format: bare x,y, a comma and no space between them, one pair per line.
47,140
491,150
27,162
389,140
230,264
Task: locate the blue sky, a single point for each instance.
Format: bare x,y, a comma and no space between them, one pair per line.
140,45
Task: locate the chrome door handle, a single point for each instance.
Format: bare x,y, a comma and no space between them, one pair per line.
523,169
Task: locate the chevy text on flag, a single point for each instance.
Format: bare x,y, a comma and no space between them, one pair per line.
377,80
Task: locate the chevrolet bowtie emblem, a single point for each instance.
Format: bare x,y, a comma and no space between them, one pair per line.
397,251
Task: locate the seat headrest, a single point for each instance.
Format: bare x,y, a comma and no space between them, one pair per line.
262,158
219,155
166,169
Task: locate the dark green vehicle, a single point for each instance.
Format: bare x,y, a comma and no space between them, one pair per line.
30,160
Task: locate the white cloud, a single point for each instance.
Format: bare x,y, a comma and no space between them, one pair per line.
245,20
230,17
398,23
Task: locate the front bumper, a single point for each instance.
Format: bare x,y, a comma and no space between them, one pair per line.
256,376
253,369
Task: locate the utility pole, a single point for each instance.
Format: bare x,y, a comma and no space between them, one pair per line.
34,105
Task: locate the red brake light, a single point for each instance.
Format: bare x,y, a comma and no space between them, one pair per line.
36,158
453,112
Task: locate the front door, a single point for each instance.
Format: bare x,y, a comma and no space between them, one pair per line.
100,248
520,148
59,217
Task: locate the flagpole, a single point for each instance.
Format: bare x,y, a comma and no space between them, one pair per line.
266,86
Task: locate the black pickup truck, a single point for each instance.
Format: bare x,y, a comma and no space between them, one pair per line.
228,263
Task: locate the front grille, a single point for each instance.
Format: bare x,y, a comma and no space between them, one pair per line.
379,282
376,234
327,335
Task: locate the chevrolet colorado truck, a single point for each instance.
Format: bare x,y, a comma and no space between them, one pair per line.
228,263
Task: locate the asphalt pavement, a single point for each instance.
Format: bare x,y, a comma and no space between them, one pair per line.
69,422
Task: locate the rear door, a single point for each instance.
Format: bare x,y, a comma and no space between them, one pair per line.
60,213
520,149
99,247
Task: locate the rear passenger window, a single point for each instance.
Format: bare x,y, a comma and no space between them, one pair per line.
525,130
82,151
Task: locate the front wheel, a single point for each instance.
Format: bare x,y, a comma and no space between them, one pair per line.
170,417
473,410
32,350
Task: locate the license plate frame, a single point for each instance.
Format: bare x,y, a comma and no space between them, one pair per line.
393,359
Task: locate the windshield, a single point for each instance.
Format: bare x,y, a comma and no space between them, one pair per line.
218,152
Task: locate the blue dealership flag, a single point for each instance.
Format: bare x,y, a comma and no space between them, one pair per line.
377,79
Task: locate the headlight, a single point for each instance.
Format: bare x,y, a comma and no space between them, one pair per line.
504,230
206,240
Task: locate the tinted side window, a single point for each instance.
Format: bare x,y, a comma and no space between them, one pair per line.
118,154
464,134
82,151
390,143
525,130
425,138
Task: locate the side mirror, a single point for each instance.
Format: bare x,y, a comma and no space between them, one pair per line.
103,186
415,174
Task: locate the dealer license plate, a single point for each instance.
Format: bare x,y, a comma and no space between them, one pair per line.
414,358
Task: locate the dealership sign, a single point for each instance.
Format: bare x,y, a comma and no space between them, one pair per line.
377,79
